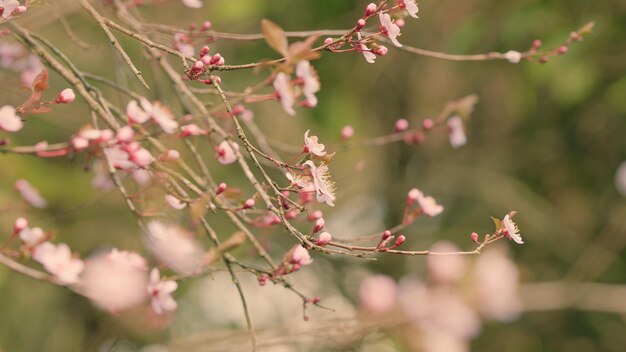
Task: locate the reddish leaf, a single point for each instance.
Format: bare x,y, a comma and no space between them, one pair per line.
303,50
40,83
274,36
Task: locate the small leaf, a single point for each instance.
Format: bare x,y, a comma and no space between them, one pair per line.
40,83
274,36
587,28
303,50
497,222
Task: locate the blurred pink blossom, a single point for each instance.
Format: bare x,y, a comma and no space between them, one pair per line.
58,260
9,121
161,293
175,247
30,194
378,294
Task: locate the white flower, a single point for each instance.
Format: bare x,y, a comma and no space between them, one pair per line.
227,152
32,236
181,43
313,145
196,4
324,186
161,293
30,194
456,131
174,247
135,113
513,56
285,92
115,280
9,121
58,261
511,229
428,204
411,7
367,53
311,83
389,28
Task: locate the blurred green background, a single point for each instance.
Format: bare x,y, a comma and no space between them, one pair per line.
545,140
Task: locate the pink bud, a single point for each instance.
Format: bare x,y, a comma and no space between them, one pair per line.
427,124
206,60
205,50
197,66
221,188
20,224
315,215
536,43
412,196
399,241
360,24
319,224
238,109
171,155
401,125
125,134
381,50
562,50
248,204
328,41
474,237
206,25
400,22
370,9
291,214
386,235
19,10
347,132
323,239
543,59
65,96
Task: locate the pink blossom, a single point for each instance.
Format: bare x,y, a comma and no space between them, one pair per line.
174,202
58,260
511,230
9,121
324,186
160,114
30,194
227,152
285,92
135,113
428,204
388,28
161,293
312,145
32,237
174,247
8,6
347,132
191,130
378,294
181,43
102,178
301,256
496,280
196,4
367,53
457,131
311,83
411,7
114,281
66,96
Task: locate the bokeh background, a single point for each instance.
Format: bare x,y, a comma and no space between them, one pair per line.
544,140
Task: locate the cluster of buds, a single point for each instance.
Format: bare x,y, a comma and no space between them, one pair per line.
205,62
387,241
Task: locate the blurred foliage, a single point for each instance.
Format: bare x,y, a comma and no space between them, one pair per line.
545,140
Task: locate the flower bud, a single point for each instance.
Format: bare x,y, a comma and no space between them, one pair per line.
427,124
20,224
474,237
315,215
206,25
561,50
221,188
205,50
347,132
370,9
65,96
319,224
360,24
401,125
248,204
323,239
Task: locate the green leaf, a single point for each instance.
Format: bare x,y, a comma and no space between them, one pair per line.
497,222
